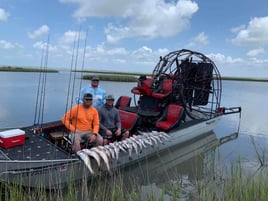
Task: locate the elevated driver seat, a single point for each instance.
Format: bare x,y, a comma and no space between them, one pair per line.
164,90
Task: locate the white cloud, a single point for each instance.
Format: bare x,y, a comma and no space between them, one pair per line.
68,43
39,45
162,52
44,29
141,18
102,8
42,46
117,51
144,50
255,52
3,15
103,50
6,45
254,34
154,19
237,29
248,67
254,60
69,37
143,54
200,40
220,58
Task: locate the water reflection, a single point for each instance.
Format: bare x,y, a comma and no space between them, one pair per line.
173,174
252,98
176,168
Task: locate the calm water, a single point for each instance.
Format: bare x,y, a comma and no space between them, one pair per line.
19,94
18,99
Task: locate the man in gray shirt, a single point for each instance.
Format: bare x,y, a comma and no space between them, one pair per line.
110,124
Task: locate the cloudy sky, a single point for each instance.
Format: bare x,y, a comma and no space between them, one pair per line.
130,35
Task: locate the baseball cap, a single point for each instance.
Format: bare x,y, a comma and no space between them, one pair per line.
110,97
94,77
88,96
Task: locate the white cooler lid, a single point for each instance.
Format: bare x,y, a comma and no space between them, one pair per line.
11,133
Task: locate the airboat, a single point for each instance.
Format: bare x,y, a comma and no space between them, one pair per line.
180,102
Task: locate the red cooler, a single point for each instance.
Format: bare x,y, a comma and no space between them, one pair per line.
11,138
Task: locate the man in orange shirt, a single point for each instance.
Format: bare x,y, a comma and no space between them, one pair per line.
83,121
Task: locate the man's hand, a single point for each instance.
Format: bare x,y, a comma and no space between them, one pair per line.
108,132
118,132
93,138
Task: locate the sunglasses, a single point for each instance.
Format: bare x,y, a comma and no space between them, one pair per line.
95,80
88,99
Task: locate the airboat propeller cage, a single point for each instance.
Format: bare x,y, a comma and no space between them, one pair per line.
196,80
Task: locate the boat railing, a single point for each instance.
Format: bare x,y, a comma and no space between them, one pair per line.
230,110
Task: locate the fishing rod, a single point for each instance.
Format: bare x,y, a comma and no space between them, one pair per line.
71,77
40,98
44,82
74,64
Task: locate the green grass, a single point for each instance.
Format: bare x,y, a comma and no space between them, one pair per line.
245,79
114,72
235,187
115,75
23,69
119,76
113,78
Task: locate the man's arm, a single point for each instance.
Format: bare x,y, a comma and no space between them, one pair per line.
101,116
103,96
117,119
66,120
96,122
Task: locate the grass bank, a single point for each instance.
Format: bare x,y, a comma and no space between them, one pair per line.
114,75
132,77
22,69
213,188
245,79
121,78
103,72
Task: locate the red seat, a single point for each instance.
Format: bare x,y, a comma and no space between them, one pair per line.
128,119
171,117
164,90
123,101
143,87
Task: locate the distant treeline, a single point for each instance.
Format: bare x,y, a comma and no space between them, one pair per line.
132,77
119,78
245,79
23,69
114,75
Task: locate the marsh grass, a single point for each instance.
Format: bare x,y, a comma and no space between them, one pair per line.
23,69
260,152
115,78
235,186
114,75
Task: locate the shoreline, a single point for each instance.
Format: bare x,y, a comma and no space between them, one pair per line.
115,75
23,69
